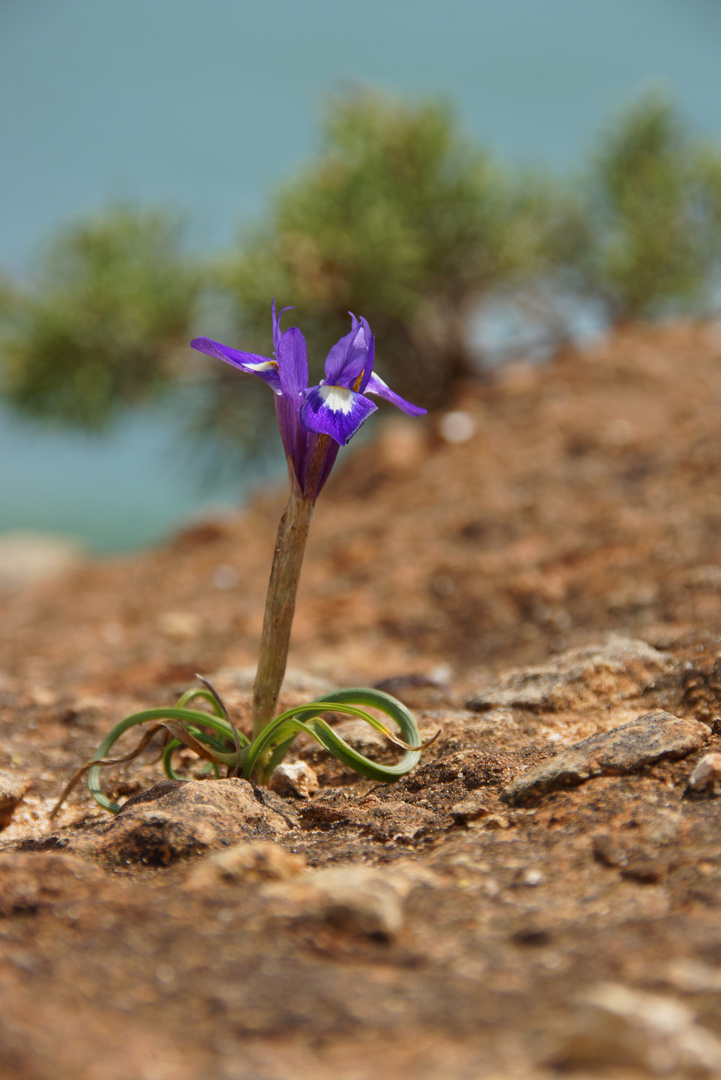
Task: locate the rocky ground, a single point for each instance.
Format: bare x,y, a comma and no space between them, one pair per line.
537,574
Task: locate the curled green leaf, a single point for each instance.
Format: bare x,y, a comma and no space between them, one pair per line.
214,738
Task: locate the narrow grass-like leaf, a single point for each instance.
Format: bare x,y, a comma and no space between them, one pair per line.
210,736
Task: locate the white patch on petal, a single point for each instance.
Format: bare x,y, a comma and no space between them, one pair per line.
337,398
265,366
359,339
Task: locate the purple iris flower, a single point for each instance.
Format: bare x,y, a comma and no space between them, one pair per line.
315,421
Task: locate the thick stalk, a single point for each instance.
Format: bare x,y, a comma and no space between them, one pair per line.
280,607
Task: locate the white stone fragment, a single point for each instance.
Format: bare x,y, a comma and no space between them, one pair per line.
623,1027
355,898
246,862
294,778
707,774
692,976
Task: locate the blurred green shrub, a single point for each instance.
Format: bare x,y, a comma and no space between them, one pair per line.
99,326
653,211
401,219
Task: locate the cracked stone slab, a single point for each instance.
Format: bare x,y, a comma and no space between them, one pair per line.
178,819
653,737
385,821
622,667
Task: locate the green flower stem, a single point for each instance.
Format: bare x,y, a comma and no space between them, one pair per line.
283,584
280,608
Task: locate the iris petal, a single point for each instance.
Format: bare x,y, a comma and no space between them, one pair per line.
276,323
376,386
292,362
348,358
251,363
335,411
306,416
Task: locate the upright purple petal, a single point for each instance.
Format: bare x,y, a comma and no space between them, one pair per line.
276,324
370,344
335,411
382,390
251,363
292,362
362,322
368,371
347,360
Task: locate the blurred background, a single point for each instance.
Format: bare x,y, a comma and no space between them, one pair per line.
480,179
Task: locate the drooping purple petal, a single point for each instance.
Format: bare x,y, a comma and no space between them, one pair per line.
292,362
382,390
335,411
251,363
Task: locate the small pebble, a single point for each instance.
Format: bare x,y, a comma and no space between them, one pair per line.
354,898
469,810
294,778
247,862
497,821
706,775
532,876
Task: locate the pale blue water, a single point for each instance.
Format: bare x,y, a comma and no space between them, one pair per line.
123,491
205,104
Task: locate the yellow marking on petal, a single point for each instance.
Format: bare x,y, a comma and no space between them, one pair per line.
264,366
359,380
